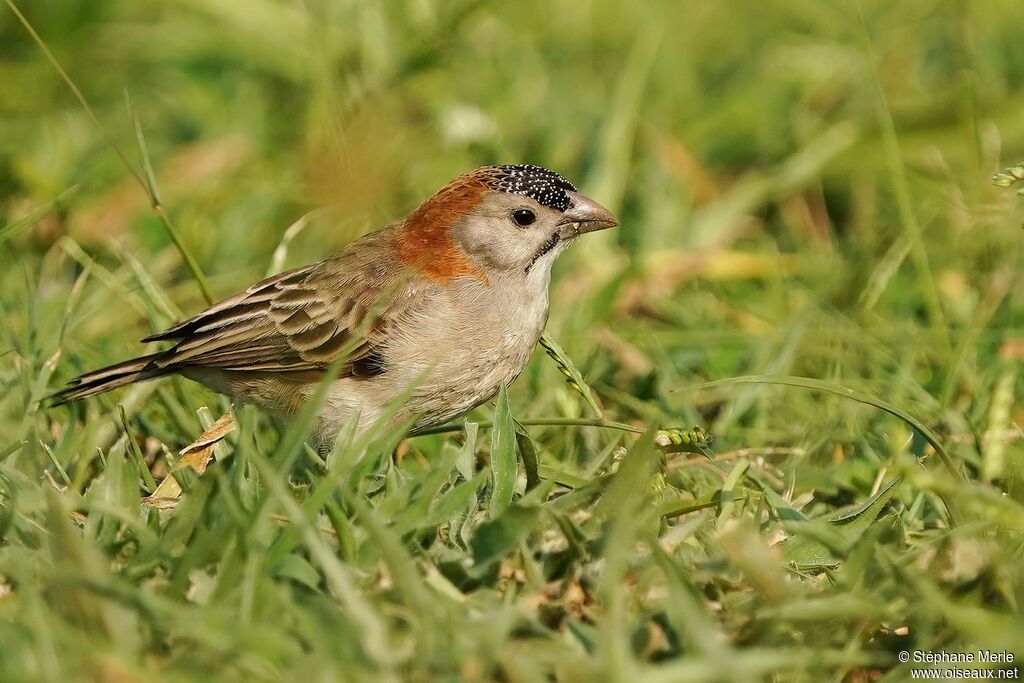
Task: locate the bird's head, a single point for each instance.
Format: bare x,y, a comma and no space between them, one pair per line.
498,220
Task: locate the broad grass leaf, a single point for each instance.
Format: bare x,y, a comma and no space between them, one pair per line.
782,509
531,458
733,478
458,499
821,543
466,461
500,536
300,570
425,490
629,484
503,456
687,613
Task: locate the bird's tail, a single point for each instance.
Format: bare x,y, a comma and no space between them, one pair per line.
99,381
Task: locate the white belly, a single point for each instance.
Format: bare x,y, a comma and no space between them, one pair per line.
446,358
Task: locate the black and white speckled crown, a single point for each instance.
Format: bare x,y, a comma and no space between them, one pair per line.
536,182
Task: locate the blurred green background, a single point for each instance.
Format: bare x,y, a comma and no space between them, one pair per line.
804,189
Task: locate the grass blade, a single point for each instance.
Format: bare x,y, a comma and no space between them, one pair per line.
867,399
904,202
859,396
503,456
573,377
149,185
9,231
140,461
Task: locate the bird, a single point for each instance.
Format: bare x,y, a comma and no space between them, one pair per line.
433,313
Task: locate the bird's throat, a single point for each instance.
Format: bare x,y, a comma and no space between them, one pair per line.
549,244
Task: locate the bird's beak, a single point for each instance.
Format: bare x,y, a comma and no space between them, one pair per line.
585,215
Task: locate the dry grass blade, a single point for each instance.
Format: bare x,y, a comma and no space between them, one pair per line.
196,455
290,233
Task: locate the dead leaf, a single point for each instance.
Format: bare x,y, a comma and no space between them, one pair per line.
196,455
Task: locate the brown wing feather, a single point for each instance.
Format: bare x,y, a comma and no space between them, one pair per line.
302,320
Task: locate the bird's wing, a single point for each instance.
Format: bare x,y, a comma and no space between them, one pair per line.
301,320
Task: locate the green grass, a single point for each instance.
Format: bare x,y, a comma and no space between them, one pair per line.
813,265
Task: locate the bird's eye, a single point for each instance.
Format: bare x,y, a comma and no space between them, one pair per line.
523,217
